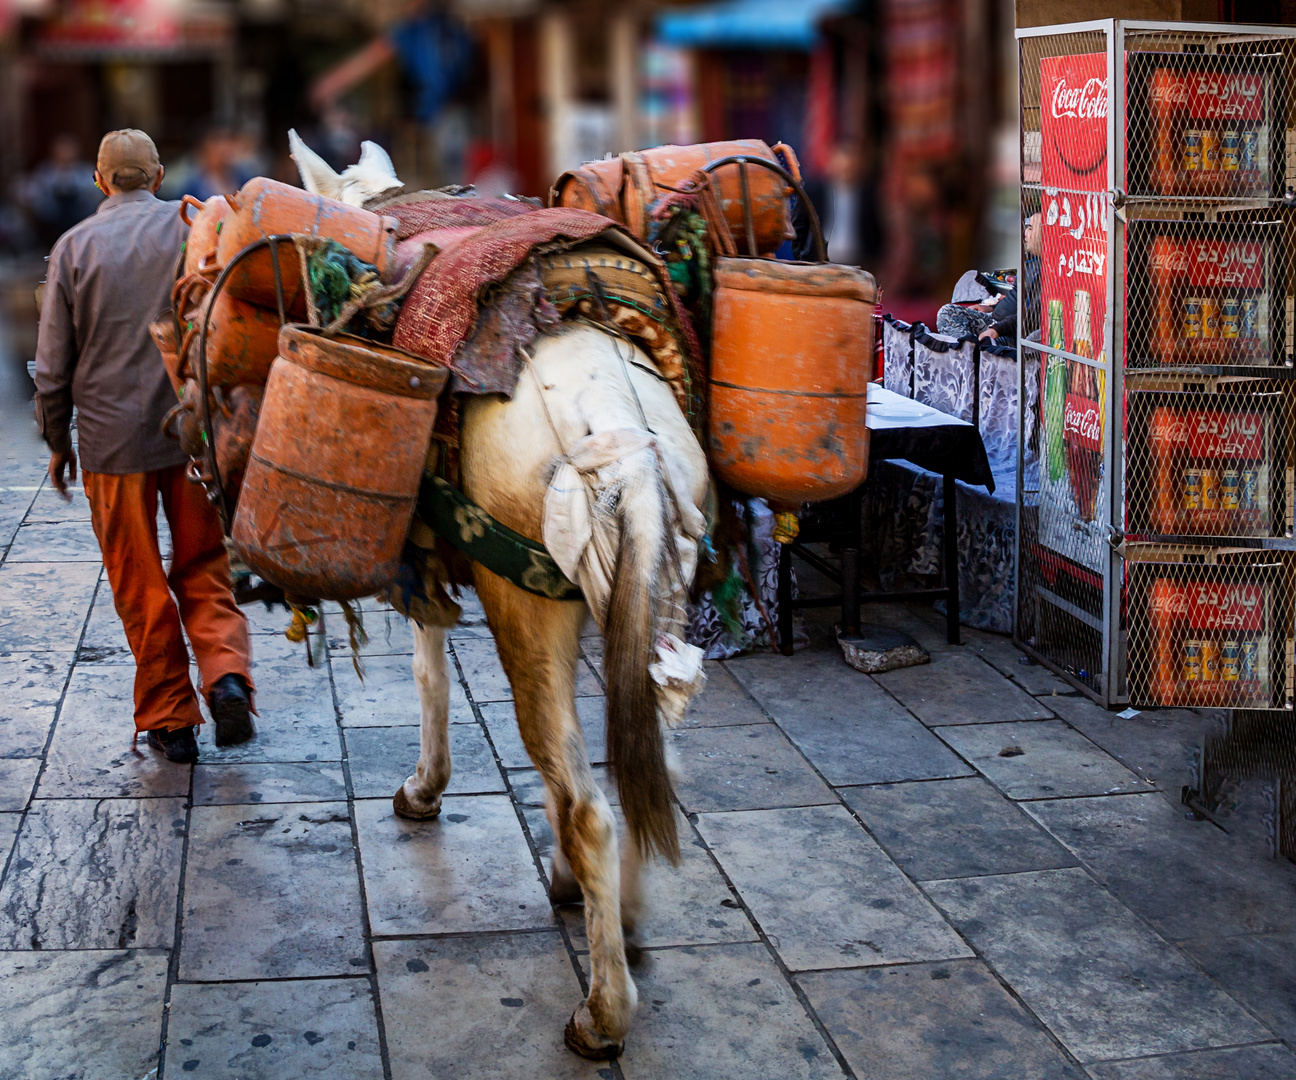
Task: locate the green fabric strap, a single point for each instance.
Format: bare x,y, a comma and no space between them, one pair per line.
464,525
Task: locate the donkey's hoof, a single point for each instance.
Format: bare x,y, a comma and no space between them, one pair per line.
404,808
581,1038
564,888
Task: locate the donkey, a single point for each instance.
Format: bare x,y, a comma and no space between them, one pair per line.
576,383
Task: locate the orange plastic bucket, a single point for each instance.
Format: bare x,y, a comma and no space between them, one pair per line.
791,359
333,475
268,208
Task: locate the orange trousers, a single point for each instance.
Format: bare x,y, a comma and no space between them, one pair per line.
124,511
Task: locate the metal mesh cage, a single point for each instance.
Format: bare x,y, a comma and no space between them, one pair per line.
1156,312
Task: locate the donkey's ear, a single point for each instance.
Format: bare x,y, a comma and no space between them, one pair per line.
373,158
317,175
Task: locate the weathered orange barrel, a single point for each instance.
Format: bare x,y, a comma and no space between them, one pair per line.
204,221
334,471
791,359
242,340
595,186
626,188
163,333
268,208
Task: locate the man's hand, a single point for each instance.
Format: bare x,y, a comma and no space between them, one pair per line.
58,462
989,332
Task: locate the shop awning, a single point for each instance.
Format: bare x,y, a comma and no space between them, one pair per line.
747,24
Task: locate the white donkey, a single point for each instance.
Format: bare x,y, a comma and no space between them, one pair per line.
578,385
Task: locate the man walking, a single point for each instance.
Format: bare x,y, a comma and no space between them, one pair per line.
108,277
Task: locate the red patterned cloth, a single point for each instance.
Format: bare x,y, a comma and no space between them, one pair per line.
425,215
440,311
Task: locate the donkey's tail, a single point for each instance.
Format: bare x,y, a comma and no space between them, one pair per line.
634,734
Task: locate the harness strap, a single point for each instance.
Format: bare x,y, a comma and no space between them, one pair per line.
464,525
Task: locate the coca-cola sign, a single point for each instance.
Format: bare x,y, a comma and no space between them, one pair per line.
1210,605
1210,95
1209,433
1073,126
1081,422
1087,101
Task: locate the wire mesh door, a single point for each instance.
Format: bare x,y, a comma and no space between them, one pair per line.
1159,329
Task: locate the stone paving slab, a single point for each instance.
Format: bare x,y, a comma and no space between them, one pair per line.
9,824
43,607
851,730
753,767
271,892
49,505
94,874
104,641
717,1012
270,782
31,685
17,778
954,828
485,1007
1203,885
388,696
722,703
89,1013
923,1021
1000,652
482,670
91,755
824,892
1159,745
382,758
467,871
959,688
1104,984
1258,972
54,542
280,1030
1244,1063
1042,759
501,722
296,719
689,904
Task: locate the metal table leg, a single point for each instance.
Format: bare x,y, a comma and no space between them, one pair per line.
951,562
785,599
850,562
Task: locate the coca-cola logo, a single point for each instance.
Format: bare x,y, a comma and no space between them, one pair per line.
1080,422
1085,102
1169,602
1169,259
1169,90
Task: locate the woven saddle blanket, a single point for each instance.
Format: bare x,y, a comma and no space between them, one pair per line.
506,271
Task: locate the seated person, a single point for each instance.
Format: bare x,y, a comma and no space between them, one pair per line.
970,310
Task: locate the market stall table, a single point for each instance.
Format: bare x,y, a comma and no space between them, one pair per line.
902,428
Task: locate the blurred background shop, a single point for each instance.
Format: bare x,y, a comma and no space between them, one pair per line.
901,110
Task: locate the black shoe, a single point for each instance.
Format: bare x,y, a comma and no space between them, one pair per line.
231,709
180,745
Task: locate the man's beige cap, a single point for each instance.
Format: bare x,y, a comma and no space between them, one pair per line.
127,149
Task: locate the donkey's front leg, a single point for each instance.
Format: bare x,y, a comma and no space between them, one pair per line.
419,798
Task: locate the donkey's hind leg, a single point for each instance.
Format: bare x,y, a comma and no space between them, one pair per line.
538,643
419,797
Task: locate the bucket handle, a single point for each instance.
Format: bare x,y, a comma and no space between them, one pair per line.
185,203
211,475
742,161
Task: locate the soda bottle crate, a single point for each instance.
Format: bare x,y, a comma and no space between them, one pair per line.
1209,458
1210,627
1210,293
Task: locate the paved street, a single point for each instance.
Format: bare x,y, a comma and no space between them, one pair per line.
958,870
